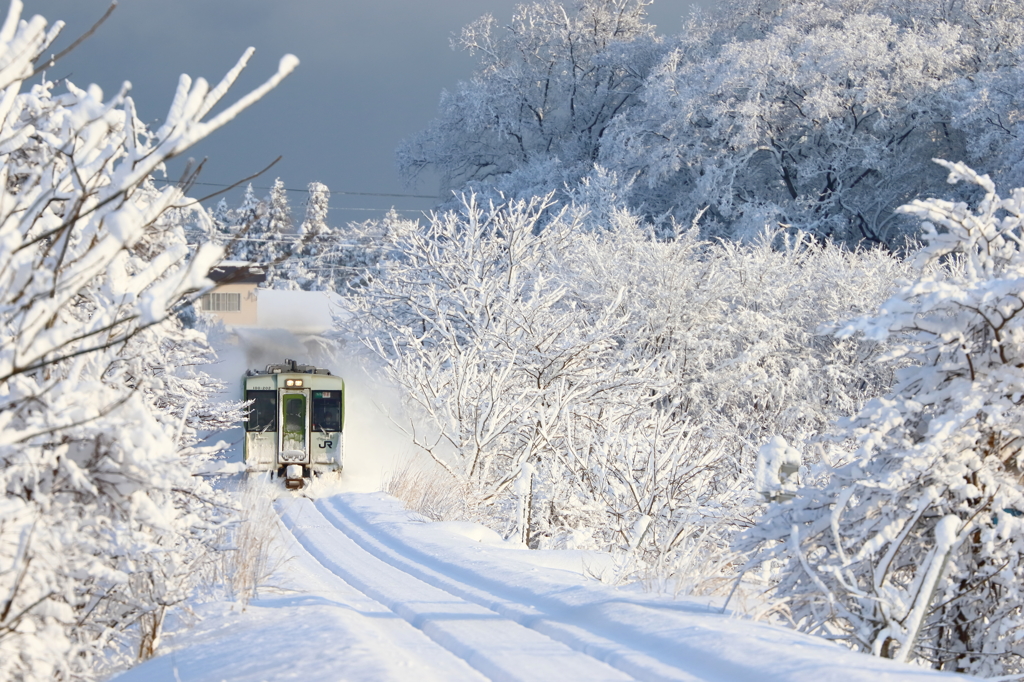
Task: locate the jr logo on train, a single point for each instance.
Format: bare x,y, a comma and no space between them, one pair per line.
295,423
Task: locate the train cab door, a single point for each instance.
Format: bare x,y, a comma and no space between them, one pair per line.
294,447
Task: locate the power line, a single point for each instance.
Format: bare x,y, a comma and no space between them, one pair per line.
292,189
378,210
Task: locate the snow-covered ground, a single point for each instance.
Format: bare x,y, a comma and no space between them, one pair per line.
370,591
373,592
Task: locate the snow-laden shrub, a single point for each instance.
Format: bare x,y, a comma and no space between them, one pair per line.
103,522
427,491
912,549
729,344
599,388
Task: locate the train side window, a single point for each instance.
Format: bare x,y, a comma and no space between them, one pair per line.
262,412
327,411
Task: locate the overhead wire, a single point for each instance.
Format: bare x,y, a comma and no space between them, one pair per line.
378,210
336,208
294,189
289,238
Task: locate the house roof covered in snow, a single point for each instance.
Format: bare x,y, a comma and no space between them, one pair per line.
238,272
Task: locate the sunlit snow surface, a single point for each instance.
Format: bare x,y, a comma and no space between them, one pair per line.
374,592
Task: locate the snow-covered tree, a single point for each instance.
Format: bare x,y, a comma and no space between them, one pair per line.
821,117
548,85
275,225
242,226
222,218
730,351
102,520
262,231
990,107
271,239
912,548
308,267
826,119
461,313
317,205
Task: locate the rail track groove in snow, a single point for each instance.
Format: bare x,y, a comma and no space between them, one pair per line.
501,638
507,645
532,622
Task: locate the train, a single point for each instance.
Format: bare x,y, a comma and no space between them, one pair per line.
295,425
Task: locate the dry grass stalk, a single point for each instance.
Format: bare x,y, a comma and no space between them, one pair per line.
255,556
427,491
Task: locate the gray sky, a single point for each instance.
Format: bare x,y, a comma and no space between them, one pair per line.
371,74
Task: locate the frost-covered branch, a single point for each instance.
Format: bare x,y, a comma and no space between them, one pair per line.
101,400
922,547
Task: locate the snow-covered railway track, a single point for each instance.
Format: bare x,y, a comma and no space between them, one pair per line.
502,638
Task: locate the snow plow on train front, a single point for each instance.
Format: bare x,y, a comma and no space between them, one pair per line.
295,423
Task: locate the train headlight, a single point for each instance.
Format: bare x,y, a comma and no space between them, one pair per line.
293,383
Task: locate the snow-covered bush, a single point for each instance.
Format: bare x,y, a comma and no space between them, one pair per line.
103,521
608,389
479,335
735,333
912,548
729,344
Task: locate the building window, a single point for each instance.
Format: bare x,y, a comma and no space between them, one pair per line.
222,303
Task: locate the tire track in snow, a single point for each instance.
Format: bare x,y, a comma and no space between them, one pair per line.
496,645
636,664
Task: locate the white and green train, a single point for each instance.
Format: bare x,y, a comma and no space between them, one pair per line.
295,424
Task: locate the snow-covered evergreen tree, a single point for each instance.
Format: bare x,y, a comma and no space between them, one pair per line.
309,267
223,221
317,205
275,225
261,231
102,521
243,226
913,548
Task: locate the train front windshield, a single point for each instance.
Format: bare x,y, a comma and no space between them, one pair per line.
327,411
262,412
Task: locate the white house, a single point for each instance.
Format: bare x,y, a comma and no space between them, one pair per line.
239,302
233,300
